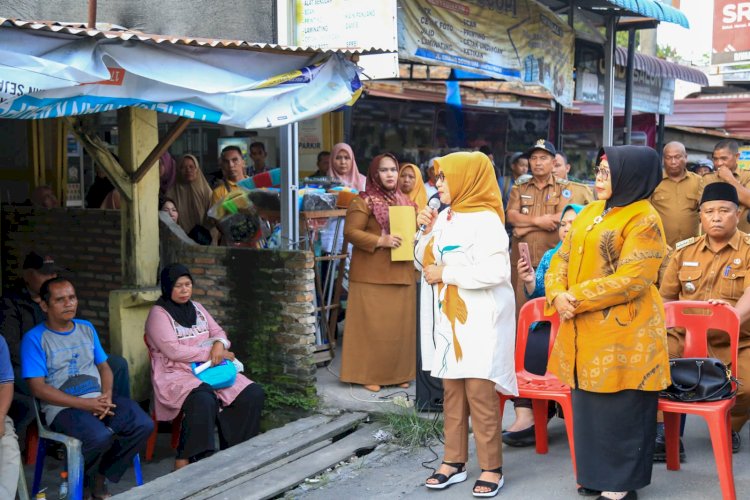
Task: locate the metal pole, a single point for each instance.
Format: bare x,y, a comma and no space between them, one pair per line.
92,14
629,87
660,134
559,110
289,186
571,12
609,81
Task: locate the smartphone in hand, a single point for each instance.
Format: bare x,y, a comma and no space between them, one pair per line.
523,250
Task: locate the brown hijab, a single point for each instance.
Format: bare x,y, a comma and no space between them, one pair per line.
379,198
192,199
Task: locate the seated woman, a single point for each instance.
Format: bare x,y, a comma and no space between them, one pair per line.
521,433
178,333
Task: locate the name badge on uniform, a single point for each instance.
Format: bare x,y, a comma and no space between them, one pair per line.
689,264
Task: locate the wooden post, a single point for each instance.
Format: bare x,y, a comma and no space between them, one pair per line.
140,221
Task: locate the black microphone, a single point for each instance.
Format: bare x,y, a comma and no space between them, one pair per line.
434,204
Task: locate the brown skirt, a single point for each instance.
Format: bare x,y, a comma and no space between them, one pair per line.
379,334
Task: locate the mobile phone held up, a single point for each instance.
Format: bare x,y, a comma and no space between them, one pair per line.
523,250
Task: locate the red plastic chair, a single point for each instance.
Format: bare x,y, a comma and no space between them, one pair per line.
32,442
540,388
697,317
176,424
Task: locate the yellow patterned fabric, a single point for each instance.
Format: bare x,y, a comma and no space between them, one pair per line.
617,339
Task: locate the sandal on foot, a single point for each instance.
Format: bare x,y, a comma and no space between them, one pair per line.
494,487
405,385
444,481
372,388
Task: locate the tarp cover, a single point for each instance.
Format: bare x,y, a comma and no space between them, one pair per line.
48,76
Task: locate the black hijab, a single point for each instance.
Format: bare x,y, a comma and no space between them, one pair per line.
635,171
184,314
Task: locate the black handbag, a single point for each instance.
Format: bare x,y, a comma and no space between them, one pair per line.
699,379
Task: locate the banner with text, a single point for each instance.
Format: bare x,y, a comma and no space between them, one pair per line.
731,37
509,40
337,24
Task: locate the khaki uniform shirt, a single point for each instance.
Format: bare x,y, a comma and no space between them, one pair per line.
743,177
529,199
580,193
695,272
677,203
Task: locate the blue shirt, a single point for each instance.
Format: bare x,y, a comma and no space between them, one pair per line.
67,360
6,369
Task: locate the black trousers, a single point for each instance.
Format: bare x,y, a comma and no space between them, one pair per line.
535,359
237,422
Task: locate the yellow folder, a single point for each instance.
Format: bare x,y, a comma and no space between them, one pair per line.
404,224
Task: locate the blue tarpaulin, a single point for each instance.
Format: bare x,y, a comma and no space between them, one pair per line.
654,9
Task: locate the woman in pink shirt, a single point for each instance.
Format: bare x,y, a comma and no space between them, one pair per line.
178,333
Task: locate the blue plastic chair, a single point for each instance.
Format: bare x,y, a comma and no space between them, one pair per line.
74,459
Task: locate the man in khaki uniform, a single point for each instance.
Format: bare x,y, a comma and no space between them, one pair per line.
725,156
714,267
677,195
534,208
580,193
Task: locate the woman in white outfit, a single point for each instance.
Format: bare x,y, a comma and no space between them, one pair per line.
468,328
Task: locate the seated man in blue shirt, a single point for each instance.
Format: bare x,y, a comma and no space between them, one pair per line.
67,370
10,457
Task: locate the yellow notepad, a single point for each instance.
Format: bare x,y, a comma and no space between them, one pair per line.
404,224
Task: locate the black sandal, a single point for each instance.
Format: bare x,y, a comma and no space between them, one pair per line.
444,481
494,487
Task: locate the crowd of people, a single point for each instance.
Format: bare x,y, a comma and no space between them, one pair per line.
52,358
652,230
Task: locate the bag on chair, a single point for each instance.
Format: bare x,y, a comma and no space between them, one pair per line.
699,379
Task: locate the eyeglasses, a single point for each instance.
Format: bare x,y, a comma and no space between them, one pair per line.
440,177
602,172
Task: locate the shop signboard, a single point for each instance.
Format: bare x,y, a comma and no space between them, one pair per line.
651,93
516,39
731,36
350,24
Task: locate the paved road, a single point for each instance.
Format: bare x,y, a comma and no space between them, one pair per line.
393,473
390,472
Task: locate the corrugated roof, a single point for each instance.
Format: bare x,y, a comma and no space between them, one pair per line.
117,33
660,67
489,95
730,114
719,133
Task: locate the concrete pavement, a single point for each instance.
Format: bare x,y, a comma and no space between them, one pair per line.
391,472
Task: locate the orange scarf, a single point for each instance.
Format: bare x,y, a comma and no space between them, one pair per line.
419,194
471,182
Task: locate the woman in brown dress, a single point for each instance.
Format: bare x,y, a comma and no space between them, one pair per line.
379,334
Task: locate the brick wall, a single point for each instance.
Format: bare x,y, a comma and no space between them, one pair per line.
86,242
263,299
